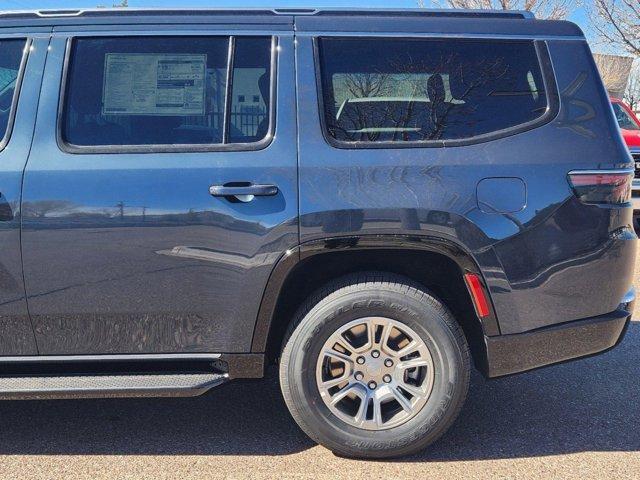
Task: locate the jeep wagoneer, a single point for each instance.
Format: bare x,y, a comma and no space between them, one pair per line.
375,201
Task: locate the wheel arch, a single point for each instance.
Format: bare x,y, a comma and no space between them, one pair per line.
308,266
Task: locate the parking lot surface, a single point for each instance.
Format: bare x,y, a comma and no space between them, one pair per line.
576,420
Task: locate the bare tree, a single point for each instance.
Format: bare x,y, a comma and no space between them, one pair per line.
366,84
620,23
548,9
632,95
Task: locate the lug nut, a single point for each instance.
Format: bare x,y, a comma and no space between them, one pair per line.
375,354
387,379
360,360
388,362
359,376
373,385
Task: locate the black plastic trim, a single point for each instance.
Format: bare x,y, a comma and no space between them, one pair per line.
106,17
243,365
306,250
456,26
232,365
511,354
437,12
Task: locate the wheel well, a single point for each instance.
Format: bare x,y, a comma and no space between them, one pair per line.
437,272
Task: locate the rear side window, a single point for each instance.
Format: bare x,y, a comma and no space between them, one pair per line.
165,91
11,53
420,90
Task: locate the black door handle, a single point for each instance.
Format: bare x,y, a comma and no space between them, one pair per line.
246,191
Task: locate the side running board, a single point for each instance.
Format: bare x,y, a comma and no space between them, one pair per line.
100,376
108,386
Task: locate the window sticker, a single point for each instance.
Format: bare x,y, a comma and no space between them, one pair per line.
154,84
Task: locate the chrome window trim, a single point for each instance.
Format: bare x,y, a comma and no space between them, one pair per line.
550,87
611,171
429,35
16,94
228,91
169,148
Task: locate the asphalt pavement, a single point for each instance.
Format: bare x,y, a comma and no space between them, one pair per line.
577,420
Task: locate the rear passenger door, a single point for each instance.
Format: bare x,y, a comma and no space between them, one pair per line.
22,57
125,248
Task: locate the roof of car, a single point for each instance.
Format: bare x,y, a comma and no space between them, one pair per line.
371,20
120,11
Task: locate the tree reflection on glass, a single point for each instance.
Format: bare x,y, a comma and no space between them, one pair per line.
426,90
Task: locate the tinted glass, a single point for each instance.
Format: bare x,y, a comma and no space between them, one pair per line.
624,119
249,121
146,91
11,52
420,90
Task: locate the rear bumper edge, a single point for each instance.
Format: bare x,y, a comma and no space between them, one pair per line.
510,354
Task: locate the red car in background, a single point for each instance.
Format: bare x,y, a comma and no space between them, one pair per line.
630,126
629,123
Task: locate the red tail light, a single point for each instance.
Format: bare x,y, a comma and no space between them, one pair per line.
477,293
602,186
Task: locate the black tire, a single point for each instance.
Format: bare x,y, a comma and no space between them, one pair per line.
364,295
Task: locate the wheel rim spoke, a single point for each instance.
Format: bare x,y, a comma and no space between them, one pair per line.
413,363
363,379
351,388
337,381
377,413
402,400
413,390
413,345
361,415
339,356
384,339
371,333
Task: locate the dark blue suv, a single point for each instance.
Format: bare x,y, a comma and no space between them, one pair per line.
374,200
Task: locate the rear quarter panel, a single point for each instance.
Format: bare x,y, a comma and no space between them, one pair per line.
553,261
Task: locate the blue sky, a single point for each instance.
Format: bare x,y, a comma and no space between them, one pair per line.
580,16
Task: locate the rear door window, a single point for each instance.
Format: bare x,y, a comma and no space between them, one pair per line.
11,54
250,91
420,90
154,91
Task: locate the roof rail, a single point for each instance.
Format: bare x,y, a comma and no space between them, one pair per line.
342,11
126,11
296,11
430,12
59,13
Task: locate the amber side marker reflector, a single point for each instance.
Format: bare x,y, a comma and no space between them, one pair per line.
477,293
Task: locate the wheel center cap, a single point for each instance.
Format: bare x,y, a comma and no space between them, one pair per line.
374,367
